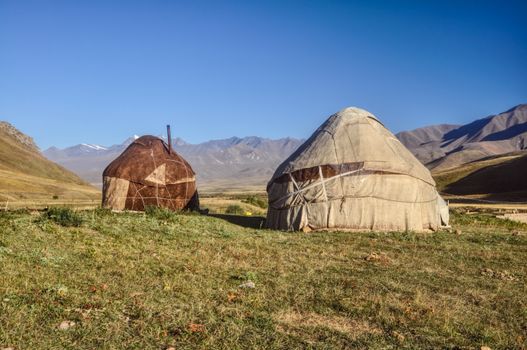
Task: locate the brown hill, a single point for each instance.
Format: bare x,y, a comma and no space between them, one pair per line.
26,175
417,137
443,147
499,178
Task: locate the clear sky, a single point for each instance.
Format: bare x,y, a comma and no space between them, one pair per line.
100,71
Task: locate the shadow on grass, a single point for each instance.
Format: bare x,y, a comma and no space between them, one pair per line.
245,221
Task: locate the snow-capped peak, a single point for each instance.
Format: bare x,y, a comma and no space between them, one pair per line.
95,147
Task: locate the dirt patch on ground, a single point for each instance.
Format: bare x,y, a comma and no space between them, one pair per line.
502,275
380,257
519,217
294,321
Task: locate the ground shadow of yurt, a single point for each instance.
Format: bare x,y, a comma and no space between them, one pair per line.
256,222
354,174
149,173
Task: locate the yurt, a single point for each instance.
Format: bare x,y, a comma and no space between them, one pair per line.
353,174
149,173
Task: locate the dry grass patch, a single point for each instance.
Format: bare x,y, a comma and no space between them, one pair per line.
219,205
296,322
380,257
26,190
519,217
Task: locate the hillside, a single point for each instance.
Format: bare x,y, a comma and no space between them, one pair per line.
26,175
446,146
500,178
234,163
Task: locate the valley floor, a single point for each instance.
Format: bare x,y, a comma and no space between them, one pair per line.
152,281
19,190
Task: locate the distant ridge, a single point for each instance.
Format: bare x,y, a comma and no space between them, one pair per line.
482,160
414,138
236,162
239,163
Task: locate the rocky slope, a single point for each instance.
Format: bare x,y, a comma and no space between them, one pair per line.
447,146
26,174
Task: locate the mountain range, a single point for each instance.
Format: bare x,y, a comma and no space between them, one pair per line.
235,163
247,163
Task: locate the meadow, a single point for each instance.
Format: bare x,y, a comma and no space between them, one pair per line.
94,279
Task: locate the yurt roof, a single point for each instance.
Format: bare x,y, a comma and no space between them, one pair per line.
354,138
147,161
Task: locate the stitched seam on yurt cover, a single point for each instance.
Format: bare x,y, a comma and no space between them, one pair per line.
356,197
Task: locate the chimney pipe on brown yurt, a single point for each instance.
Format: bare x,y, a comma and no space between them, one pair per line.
146,174
169,141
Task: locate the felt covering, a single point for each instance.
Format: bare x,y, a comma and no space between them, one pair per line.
353,173
147,174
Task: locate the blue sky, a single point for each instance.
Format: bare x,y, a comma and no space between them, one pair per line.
99,71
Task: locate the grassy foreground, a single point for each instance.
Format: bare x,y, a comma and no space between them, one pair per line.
157,281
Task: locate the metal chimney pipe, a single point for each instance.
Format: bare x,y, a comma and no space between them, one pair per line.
169,141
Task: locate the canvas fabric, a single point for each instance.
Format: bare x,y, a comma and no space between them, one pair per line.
352,173
147,174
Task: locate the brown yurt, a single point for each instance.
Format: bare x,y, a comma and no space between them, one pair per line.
149,173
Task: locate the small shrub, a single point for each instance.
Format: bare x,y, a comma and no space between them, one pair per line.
245,276
234,209
256,201
250,276
63,216
55,196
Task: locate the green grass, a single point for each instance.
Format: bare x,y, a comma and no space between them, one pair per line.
63,216
136,281
234,209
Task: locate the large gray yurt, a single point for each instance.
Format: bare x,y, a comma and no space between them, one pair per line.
354,174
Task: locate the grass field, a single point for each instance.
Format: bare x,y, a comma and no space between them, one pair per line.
251,203
161,280
22,190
